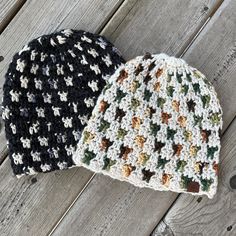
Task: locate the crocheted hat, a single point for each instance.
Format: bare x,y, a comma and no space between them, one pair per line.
156,124
51,87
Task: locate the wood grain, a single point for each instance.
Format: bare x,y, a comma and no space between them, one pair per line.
8,8
33,205
120,208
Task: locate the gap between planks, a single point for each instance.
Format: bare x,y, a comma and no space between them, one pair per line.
11,14
132,4
71,205
109,18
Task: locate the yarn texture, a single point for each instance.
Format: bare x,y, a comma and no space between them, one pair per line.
51,87
156,124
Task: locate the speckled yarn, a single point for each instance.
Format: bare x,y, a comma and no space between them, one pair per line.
156,124
51,87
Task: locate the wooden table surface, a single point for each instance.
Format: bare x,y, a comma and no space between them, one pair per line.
78,202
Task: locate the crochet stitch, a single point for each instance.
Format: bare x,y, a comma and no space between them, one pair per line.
50,90
156,124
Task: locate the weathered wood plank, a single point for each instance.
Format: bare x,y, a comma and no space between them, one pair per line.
32,205
113,203
27,206
109,207
8,8
120,208
200,216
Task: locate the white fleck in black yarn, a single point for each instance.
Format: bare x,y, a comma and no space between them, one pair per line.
51,87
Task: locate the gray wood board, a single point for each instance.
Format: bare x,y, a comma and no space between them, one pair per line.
111,207
119,208
33,205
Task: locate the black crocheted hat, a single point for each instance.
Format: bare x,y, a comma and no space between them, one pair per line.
51,87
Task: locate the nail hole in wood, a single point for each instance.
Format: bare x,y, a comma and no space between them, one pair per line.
1,58
232,182
206,8
199,199
229,228
33,180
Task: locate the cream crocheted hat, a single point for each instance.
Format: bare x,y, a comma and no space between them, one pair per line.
156,124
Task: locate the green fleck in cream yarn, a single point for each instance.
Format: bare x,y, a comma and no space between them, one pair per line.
156,124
